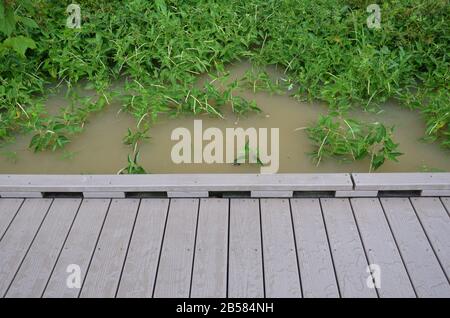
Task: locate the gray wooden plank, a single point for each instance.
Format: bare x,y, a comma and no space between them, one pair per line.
175,266
33,275
16,241
381,248
21,194
402,181
434,193
78,248
139,272
245,276
446,202
280,257
436,223
102,278
352,194
346,248
177,182
8,209
316,264
209,277
425,272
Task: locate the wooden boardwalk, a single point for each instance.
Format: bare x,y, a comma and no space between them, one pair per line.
225,247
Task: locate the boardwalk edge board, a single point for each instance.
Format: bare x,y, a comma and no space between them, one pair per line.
227,185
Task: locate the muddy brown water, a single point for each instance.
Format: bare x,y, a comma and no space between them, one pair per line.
99,148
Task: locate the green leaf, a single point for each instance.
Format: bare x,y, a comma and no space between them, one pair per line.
161,5
20,44
7,19
27,22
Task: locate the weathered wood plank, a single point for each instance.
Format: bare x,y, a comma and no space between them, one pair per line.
280,257
436,223
78,248
245,256
209,278
21,194
33,275
425,272
8,209
176,182
139,272
446,202
316,264
402,181
16,241
381,249
104,272
174,272
346,247
356,194
435,193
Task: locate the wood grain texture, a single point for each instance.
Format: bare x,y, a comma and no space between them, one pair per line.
381,248
176,182
175,267
281,273
425,272
347,250
402,181
245,256
224,247
138,277
436,223
78,248
17,240
209,277
104,272
45,250
314,256
8,209
446,202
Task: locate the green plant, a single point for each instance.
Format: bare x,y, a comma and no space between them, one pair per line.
132,138
133,166
260,80
349,139
161,47
50,136
13,22
248,155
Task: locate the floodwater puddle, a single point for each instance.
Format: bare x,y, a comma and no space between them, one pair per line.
99,148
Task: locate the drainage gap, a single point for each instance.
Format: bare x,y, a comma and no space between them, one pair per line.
314,194
143,195
230,194
399,193
64,195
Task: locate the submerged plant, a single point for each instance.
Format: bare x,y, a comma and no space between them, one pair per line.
133,166
162,47
348,139
51,136
132,138
248,155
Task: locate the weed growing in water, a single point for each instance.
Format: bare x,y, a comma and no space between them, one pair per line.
324,46
248,155
133,167
348,139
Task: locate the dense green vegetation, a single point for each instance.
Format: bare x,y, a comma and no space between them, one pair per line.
160,47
